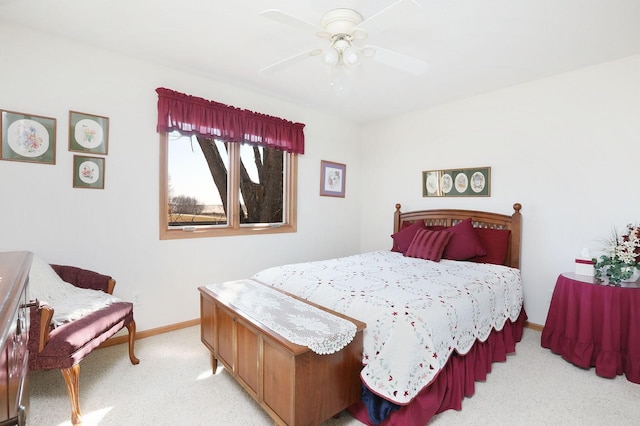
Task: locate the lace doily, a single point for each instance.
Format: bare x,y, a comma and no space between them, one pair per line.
296,321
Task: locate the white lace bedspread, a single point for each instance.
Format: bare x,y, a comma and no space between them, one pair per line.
296,321
417,311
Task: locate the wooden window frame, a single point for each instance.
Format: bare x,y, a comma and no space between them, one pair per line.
233,227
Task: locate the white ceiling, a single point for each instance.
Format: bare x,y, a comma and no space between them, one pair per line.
471,46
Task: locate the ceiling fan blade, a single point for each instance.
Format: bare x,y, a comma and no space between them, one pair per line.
396,59
294,22
380,12
290,60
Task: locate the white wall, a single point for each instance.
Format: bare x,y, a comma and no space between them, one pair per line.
566,147
115,230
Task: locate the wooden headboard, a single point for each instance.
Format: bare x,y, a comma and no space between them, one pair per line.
480,219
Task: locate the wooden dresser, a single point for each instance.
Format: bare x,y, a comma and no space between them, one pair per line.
14,332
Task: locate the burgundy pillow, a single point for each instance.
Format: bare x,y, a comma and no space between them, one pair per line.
496,244
403,237
428,245
464,243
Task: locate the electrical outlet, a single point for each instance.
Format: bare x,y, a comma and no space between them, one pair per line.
136,298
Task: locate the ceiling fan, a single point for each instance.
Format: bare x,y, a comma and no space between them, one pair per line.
345,31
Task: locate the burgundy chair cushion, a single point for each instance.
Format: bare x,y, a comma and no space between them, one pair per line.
69,343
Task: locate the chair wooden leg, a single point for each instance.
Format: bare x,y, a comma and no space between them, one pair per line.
71,378
132,337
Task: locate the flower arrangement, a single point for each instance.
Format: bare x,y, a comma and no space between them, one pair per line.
622,258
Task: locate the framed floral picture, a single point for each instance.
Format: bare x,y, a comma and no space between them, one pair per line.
474,182
88,172
88,133
332,179
27,137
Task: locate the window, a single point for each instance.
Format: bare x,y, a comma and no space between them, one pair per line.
211,184
241,189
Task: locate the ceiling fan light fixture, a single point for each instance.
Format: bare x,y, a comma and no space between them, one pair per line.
342,28
331,57
351,57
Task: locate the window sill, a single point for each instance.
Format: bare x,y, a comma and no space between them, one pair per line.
175,234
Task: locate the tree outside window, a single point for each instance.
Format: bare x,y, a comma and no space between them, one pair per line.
225,170
221,188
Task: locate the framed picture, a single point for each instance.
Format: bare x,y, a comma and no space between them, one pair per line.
332,179
27,137
474,182
88,172
88,133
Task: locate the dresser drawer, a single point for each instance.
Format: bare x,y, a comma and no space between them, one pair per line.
14,322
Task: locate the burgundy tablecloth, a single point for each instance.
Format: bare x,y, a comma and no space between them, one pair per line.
593,325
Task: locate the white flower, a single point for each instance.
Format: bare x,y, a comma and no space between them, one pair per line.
622,256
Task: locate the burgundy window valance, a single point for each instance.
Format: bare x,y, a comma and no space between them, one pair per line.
191,115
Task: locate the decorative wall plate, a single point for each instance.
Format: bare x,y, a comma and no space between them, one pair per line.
462,182
447,183
478,182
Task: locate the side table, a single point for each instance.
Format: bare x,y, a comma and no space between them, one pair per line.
594,325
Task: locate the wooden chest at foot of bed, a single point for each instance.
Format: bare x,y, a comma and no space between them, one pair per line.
292,383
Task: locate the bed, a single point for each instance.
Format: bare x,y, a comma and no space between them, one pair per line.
423,350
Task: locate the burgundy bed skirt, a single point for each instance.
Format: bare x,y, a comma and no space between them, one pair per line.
455,381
